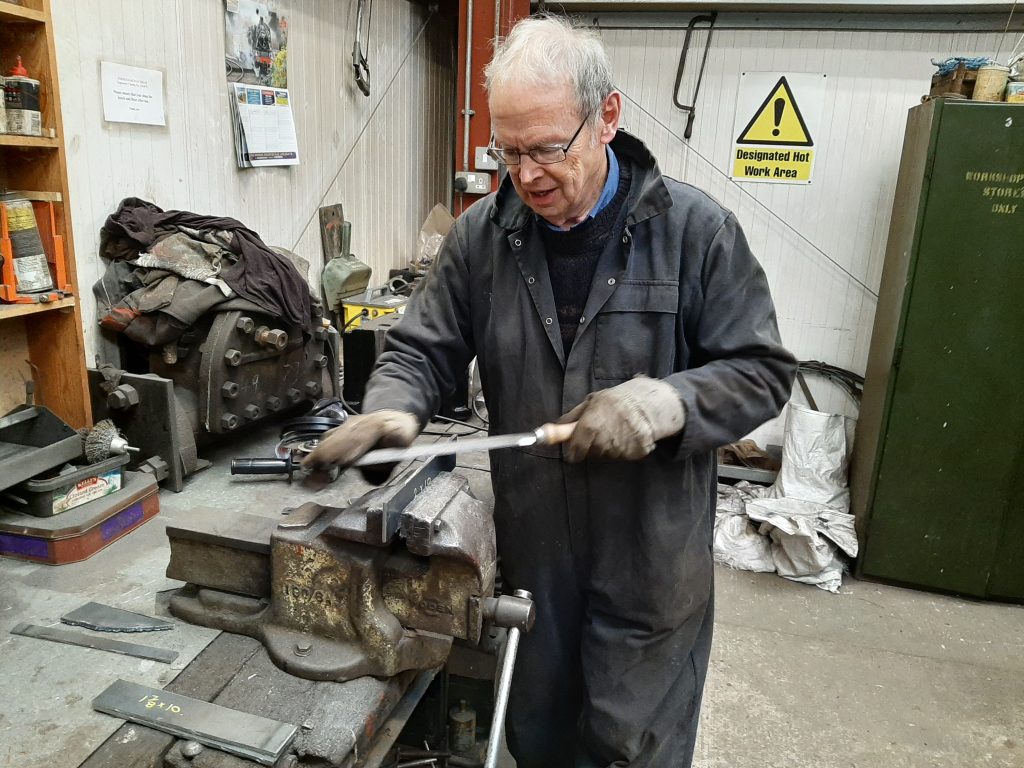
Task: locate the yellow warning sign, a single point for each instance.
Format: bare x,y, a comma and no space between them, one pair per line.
774,128
772,165
777,121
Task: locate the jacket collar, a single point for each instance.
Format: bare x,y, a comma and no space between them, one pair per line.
648,195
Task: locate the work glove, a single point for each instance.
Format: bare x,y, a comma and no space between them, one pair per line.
361,433
624,422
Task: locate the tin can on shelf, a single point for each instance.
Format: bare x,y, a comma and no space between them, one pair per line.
991,83
21,103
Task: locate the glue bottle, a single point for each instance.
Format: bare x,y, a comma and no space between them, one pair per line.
21,100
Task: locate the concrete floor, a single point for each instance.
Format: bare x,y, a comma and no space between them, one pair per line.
875,677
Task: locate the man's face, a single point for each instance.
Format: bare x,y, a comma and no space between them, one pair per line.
524,117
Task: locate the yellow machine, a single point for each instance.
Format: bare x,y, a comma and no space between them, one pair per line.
357,308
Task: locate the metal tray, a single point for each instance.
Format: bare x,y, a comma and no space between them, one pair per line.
32,440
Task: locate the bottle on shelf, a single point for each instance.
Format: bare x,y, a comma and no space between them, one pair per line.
21,102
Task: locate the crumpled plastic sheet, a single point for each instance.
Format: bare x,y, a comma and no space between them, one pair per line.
805,539
945,66
737,541
797,527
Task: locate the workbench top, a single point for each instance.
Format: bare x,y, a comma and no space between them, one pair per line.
46,712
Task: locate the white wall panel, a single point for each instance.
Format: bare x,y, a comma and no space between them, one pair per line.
821,244
386,158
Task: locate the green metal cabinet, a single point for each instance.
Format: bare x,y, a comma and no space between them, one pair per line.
938,468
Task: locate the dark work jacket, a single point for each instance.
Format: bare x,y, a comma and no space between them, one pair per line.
677,295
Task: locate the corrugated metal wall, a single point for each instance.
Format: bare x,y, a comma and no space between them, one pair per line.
386,158
821,245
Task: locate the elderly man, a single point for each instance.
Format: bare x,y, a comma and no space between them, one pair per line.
593,288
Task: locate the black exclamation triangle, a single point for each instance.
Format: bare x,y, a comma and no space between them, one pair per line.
780,105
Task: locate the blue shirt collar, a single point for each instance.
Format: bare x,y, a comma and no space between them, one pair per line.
611,186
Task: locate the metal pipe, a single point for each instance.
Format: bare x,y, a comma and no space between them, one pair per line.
524,621
466,111
501,701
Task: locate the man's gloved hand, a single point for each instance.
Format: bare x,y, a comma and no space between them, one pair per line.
624,422
379,429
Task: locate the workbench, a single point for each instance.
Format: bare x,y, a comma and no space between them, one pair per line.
46,714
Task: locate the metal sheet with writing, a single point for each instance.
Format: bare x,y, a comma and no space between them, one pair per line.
240,733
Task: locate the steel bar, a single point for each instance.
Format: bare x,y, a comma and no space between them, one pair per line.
71,637
104,618
240,733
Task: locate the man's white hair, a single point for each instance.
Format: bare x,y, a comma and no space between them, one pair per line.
547,51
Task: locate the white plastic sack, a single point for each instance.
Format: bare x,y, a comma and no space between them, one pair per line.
816,449
737,543
806,537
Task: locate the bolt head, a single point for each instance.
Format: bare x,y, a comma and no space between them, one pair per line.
245,324
228,421
273,403
124,396
294,395
312,388
277,339
302,649
229,389
233,357
251,411
191,748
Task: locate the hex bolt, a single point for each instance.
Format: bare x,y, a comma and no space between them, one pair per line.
273,403
312,388
303,649
251,411
124,396
294,395
228,421
191,748
233,357
245,325
275,339
229,389
320,361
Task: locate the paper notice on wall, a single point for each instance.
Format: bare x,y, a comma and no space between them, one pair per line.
264,127
132,94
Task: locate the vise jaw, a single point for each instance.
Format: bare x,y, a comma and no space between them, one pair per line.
334,593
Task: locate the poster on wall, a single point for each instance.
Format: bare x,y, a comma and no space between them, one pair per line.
776,129
256,42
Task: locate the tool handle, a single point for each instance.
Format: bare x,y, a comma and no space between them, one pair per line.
262,466
555,434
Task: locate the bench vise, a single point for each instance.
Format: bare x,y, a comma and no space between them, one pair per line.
335,593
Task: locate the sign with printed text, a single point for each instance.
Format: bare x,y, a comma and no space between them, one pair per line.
778,119
132,94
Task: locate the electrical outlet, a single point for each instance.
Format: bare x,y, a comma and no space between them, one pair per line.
475,183
485,162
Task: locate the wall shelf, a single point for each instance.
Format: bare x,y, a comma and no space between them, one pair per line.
10,12
44,342
13,140
19,310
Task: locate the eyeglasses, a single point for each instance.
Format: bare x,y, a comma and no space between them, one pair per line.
541,155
